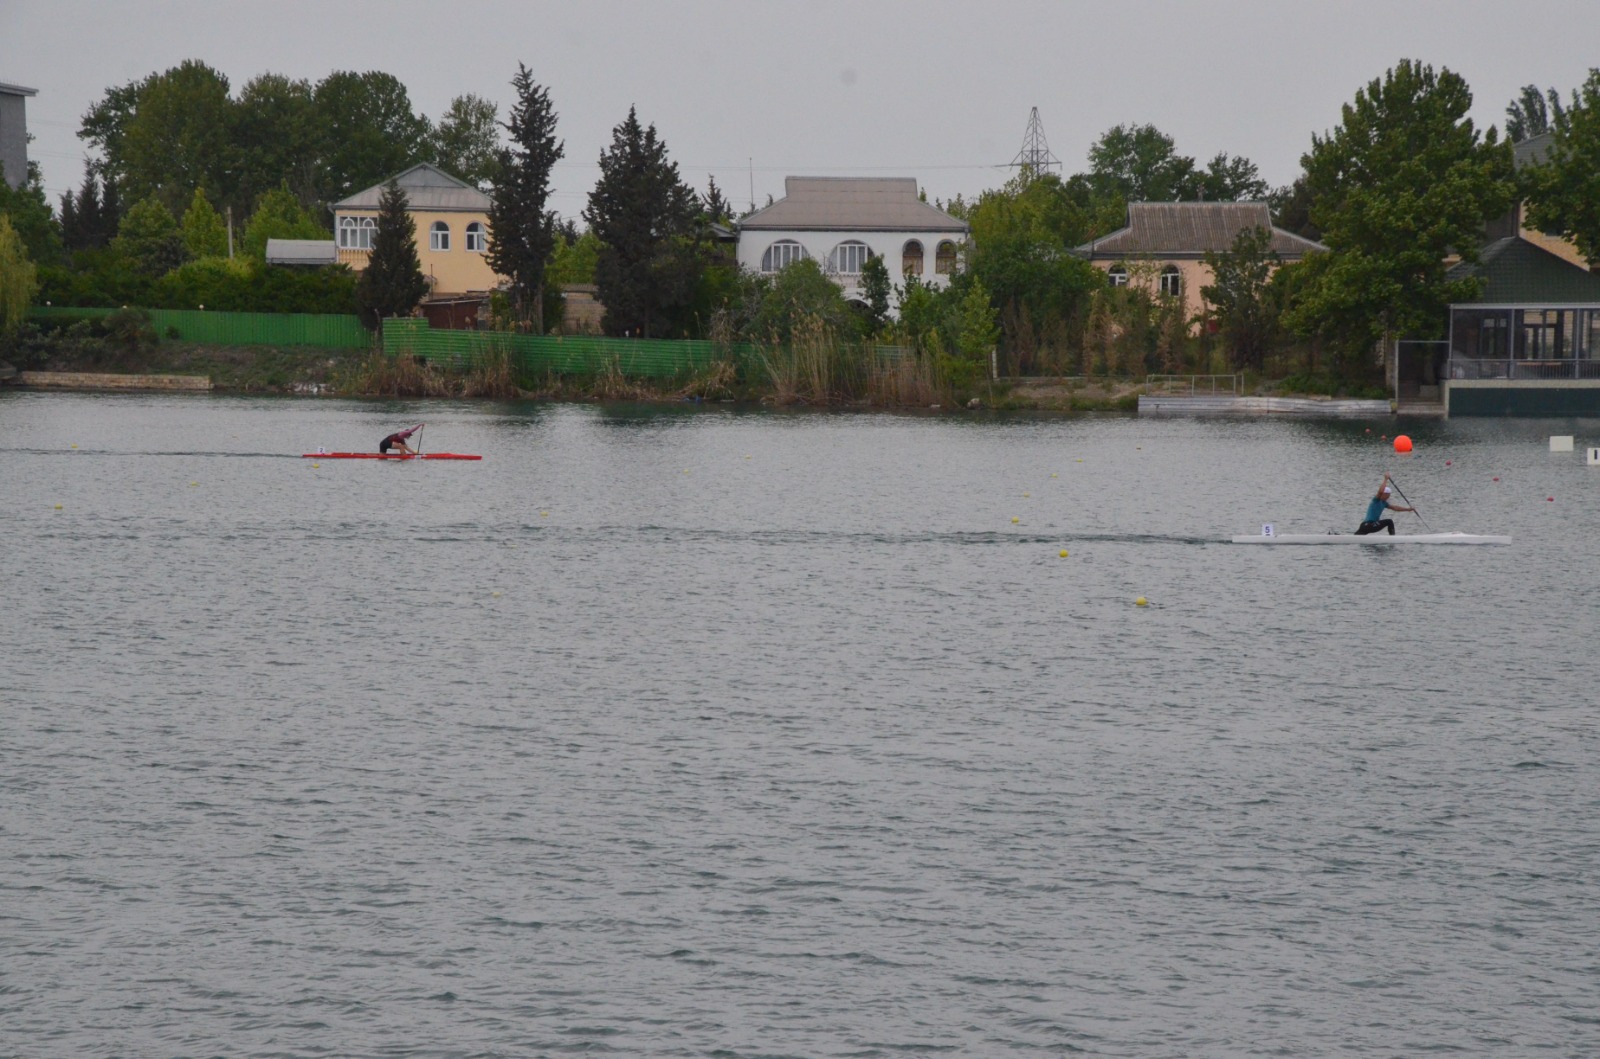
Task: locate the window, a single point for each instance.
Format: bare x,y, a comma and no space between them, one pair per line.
1118,276
477,238
783,252
911,259
1171,281
848,257
355,233
944,261
438,236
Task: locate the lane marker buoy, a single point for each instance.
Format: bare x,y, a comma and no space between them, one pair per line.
1141,602
1063,554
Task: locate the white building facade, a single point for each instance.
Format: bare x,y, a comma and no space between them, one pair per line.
840,221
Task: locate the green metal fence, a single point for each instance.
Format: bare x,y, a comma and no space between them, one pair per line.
241,329
640,358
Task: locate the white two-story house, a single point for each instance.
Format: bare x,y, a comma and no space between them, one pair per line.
840,221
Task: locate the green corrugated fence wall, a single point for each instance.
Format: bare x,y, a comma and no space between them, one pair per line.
243,329
641,358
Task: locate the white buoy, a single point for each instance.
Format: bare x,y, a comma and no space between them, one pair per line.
1560,442
1594,457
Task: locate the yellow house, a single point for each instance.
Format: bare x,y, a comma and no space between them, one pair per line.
452,219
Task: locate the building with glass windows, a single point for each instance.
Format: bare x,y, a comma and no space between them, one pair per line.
452,219
841,222
1530,343
1164,244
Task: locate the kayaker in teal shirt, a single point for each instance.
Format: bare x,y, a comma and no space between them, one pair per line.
1375,522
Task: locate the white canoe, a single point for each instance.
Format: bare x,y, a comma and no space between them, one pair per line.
1374,538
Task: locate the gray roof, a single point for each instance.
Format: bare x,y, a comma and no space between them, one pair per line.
17,90
1532,151
1516,272
427,187
866,204
1189,229
301,252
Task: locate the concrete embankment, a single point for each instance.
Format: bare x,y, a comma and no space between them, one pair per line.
1186,405
89,380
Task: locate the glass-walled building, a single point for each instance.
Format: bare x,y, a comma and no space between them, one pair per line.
1539,317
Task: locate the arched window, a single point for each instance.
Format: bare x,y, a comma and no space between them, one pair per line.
438,236
355,233
1171,281
783,252
911,259
848,257
477,238
1118,275
944,261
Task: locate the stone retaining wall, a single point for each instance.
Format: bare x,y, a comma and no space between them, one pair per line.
1159,404
88,380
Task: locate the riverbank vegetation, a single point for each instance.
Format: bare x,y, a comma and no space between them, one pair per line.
1402,187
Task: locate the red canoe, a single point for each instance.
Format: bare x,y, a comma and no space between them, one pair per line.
387,456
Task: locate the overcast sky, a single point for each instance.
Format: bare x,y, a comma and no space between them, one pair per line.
750,92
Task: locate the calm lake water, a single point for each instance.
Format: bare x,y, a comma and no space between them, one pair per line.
738,734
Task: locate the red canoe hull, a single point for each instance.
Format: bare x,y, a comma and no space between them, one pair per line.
387,456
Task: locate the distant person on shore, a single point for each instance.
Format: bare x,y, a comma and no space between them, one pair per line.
397,441
1375,522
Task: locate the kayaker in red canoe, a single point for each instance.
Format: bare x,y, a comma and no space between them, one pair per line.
397,441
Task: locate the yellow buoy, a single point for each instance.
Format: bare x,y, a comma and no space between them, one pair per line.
1055,476
1141,602
544,514
1025,496
194,483
74,446
58,507
1015,519
1063,555
496,595
315,465
1077,461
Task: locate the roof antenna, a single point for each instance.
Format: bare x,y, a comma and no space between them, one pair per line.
1035,157
752,161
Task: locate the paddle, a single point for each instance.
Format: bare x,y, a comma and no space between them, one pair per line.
419,439
1409,504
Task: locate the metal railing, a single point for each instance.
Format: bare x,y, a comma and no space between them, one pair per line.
1500,368
1195,385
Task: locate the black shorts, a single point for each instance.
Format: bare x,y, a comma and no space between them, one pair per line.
1376,527
383,446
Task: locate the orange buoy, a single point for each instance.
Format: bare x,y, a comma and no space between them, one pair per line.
1402,443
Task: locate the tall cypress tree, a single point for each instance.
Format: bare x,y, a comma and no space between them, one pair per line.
645,218
522,232
392,283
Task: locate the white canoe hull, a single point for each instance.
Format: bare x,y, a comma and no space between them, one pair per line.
1374,538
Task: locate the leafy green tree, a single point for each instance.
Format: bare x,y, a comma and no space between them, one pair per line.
1532,113
1565,190
978,323
1239,294
32,217
875,290
1231,179
18,278
370,131
718,210
1023,236
278,141
150,239
1403,182
466,140
105,127
203,232
521,227
1291,209
574,260
1139,164
392,284
278,215
180,136
645,218
800,295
